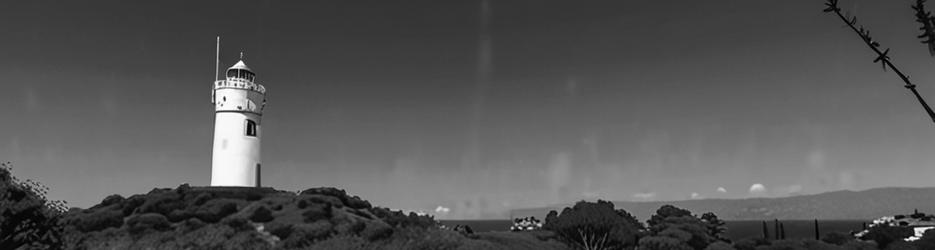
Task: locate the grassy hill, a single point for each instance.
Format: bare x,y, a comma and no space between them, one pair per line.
838,205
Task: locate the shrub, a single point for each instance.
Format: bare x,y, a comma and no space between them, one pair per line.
375,230
901,245
720,245
201,198
884,234
680,224
237,223
358,203
317,211
318,198
163,204
214,210
280,230
112,199
594,225
750,244
329,191
304,235
837,238
261,214
192,224
662,243
927,241
180,215
27,218
349,227
96,221
344,242
132,203
141,223
860,245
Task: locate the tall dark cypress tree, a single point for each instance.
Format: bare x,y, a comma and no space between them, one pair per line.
765,231
776,229
817,232
782,231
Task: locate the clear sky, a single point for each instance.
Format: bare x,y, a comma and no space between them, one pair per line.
417,104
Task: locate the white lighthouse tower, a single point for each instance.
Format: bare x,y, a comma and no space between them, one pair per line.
238,103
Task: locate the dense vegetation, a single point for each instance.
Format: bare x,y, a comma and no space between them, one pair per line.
27,218
264,218
328,218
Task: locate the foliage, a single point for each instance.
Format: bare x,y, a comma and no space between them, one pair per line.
400,219
751,244
594,225
679,224
884,234
720,245
663,243
715,226
140,223
837,238
927,241
27,218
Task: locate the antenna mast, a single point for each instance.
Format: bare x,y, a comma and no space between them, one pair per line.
217,57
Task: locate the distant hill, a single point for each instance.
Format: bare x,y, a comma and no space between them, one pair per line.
838,205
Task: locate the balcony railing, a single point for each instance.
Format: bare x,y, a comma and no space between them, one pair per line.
241,84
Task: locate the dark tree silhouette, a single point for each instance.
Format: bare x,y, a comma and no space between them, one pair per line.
594,225
672,224
27,218
885,234
715,226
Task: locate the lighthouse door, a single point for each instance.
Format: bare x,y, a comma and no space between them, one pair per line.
258,175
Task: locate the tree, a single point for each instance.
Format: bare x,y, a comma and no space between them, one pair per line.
27,218
715,226
837,238
594,225
676,223
927,241
885,234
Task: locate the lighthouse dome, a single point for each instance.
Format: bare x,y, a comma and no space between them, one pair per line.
240,65
240,71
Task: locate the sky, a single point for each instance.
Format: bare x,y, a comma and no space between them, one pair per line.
467,109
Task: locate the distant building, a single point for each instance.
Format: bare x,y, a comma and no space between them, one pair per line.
919,222
238,103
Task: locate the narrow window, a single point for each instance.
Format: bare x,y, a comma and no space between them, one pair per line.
251,128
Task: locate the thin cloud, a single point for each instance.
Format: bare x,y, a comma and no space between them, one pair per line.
757,189
645,196
695,196
442,210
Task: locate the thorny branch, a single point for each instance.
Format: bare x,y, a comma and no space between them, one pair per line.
882,57
928,25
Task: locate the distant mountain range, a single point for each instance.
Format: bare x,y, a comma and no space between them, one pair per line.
838,205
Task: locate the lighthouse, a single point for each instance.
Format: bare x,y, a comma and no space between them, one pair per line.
238,108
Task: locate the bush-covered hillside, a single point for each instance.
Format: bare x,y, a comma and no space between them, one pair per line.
264,218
